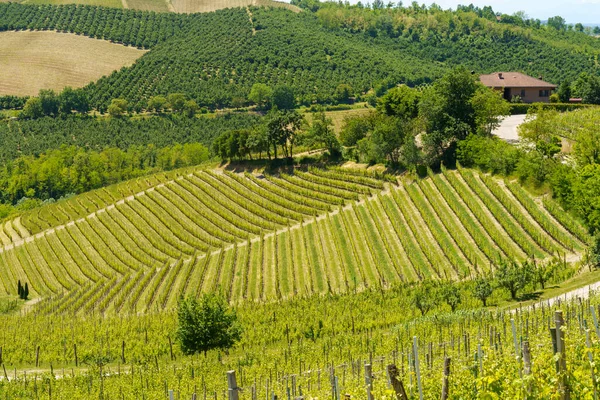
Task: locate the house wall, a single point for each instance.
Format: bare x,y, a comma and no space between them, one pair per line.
529,95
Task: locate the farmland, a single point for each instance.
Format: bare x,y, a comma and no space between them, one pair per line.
313,232
31,61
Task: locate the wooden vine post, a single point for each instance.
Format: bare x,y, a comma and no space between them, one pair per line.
563,387
417,366
396,383
369,381
232,385
445,383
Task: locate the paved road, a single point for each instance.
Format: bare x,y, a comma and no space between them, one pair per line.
508,129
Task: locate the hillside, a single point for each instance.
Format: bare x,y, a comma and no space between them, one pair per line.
215,58
273,237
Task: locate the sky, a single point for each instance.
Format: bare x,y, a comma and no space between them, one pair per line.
584,11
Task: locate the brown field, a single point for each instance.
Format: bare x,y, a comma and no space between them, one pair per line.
337,117
193,6
104,3
148,5
31,61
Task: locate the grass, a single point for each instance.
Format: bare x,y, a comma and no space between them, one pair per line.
31,61
338,117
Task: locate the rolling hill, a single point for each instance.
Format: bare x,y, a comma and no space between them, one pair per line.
269,237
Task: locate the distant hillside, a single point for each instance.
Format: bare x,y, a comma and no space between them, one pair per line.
215,58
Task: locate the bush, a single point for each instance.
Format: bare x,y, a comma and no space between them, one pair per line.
206,324
521,108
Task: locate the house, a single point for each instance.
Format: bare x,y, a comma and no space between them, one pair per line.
530,89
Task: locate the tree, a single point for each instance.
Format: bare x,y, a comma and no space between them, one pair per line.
321,133
118,107
260,94
26,291
401,101
73,100
579,27
448,113
284,98
355,129
590,92
282,129
450,294
33,108
597,30
258,142
425,297
190,108
343,92
206,324
19,289
557,23
564,91
483,289
176,101
543,272
50,102
489,107
157,103
512,276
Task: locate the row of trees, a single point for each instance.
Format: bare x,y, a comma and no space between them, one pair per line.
508,275
51,104
586,87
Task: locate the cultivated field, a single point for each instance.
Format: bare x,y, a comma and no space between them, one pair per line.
31,61
265,238
338,117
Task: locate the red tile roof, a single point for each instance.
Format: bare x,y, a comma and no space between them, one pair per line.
513,80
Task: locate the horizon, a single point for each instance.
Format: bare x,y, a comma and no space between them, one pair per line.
581,11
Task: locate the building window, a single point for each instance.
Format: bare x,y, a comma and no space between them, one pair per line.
522,93
544,93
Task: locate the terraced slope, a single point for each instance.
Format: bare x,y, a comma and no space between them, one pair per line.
263,238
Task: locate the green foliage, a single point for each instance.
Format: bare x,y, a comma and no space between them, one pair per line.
425,297
512,276
489,108
483,289
489,154
283,98
260,94
450,293
33,108
176,101
206,324
356,128
401,102
282,129
118,107
73,169
157,103
564,91
321,134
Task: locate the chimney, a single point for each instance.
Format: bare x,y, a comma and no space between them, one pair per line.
500,75
541,77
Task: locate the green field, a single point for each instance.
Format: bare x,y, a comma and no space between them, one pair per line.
273,237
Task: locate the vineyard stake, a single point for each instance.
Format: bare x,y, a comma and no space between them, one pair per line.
595,320
37,356
417,367
232,385
588,344
445,389
562,361
368,377
75,353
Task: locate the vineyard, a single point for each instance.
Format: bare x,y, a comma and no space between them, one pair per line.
136,247
315,347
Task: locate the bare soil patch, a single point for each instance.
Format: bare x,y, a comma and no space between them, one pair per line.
194,6
32,60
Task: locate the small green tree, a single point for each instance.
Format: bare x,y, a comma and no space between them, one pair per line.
25,292
118,107
260,94
512,276
483,289
176,101
33,108
343,93
490,108
157,103
321,133
20,289
425,297
450,294
190,108
543,272
284,98
206,324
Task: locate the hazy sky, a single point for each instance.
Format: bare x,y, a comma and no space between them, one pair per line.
585,11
